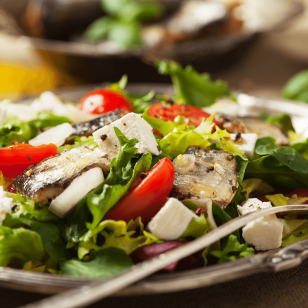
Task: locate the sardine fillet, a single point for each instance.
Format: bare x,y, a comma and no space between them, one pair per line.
213,176
47,179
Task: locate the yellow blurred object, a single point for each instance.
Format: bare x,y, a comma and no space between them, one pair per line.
26,71
16,81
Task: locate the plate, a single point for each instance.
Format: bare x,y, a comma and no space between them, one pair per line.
274,260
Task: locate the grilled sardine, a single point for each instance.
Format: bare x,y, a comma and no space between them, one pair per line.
51,176
211,174
88,127
264,129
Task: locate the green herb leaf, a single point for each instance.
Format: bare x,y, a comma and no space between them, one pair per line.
98,29
102,264
233,250
297,87
19,245
191,87
282,120
197,227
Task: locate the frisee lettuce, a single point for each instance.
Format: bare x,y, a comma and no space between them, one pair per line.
178,136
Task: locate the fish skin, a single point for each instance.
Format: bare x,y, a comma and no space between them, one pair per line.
264,129
47,179
88,127
220,184
229,123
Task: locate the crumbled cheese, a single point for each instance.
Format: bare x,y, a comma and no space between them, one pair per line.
131,125
171,221
6,204
264,233
246,143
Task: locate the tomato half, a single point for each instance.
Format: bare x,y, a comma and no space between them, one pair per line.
168,112
15,159
146,199
101,101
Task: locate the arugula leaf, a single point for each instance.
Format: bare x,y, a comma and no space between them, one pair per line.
19,245
52,240
282,120
120,178
79,141
102,264
222,217
301,146
191,87
281,166
75,226
297,87
233,250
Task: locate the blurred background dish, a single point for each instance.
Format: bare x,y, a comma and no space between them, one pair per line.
211,35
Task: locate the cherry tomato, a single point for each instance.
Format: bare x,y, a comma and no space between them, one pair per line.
168,112
102,101
146,199
15,159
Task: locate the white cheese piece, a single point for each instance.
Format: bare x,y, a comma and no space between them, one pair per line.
264,233
6,204
76,191
171,221
247,143
132,126
56,135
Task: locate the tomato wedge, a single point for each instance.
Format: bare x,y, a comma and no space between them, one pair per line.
146,199
15,159
168,112
101,101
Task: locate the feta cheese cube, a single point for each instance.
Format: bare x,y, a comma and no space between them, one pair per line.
264,233
171,221
246,143
131,125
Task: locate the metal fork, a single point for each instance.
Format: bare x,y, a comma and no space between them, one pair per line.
89,294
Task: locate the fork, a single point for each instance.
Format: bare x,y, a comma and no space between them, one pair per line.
101,289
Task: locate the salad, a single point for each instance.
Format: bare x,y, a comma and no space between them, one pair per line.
88,190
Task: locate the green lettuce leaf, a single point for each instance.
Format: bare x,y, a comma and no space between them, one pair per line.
22,131
102,264
282,120
280,166
301,146
297,87
295,236
118,234
290,225
120,178
222,217
27,209
256,186
232,251
79,141
19,245
191,87
178,137
197,227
